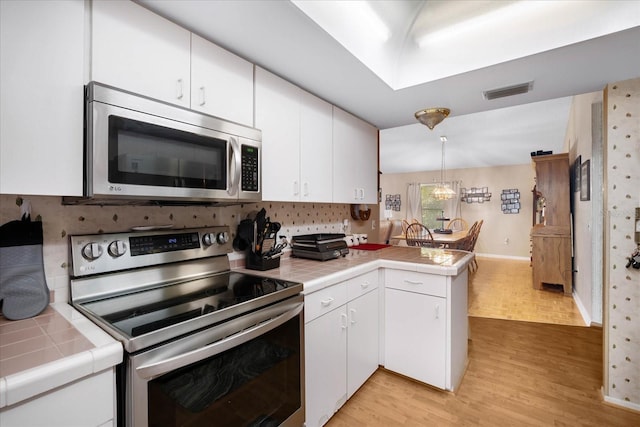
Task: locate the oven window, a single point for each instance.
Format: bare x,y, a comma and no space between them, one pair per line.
255,384
147,154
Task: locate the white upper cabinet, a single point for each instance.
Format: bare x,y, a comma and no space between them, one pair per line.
41,110
221,82
278,116
355,159
316,148
134,49
296,141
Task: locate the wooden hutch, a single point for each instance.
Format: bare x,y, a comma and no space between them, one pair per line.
551,233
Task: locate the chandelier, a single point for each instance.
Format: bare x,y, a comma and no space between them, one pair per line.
430,117
442,190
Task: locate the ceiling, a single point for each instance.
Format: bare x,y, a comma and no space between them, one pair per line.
434,54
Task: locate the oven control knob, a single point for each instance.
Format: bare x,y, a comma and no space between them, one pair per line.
208,239
223,237
117,248
92,251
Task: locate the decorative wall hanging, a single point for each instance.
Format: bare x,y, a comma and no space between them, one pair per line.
575,173
510,201
585,180
392,202
475,195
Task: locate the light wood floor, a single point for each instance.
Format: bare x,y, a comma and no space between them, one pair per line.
503,289
519,374
528,366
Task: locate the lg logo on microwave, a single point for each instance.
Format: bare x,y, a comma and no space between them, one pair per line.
115,188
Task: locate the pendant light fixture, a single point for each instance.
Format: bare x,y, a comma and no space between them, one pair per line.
430,117
442,190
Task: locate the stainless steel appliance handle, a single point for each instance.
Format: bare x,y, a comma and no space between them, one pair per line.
161,367
236,157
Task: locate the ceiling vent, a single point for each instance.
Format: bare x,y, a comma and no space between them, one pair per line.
507,91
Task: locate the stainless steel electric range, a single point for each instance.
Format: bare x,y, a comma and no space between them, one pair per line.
204,345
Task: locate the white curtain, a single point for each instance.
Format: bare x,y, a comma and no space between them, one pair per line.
453,205
414,209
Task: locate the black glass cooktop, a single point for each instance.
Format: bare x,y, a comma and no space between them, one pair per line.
164,306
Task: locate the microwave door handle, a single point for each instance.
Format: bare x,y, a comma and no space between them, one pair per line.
172,363
236,158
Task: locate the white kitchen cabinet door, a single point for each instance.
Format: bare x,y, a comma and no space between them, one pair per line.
221,82
355,159
362,342
325,366
316,147
278,116
415,336
86,402
134,49
41,108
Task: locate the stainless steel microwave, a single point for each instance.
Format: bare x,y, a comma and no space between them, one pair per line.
140,149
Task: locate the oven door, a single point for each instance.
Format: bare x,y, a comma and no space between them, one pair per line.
245,372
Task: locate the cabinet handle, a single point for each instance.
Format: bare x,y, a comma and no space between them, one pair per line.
361,193
353,315
305,187
343,318
296,188
179,91
327,302
411,282
355,194
203,99
437,311
364,285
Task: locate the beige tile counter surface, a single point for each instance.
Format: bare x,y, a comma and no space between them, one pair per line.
50,350
316,275
60,345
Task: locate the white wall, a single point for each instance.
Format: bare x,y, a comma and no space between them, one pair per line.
579,139
497,226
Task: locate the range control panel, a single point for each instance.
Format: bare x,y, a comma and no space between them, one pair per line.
103,253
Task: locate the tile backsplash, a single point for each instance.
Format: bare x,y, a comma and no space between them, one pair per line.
59,221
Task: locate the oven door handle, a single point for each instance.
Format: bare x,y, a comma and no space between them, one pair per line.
170,364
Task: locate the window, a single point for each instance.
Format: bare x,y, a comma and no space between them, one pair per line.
431,207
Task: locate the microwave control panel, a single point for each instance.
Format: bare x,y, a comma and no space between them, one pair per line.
250,172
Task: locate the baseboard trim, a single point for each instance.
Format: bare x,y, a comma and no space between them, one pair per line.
582,309
633,407
518,258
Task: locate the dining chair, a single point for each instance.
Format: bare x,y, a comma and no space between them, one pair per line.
419,235
457,224
471,244
405,225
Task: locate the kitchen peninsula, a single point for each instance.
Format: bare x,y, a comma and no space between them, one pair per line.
399,307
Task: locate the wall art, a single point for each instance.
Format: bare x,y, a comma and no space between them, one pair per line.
510,201
585,180
392,202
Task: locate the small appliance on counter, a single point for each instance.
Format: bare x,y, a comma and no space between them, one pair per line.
257,236
320,246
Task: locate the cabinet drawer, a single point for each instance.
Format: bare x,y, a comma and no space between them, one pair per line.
421,283
325,300
362,284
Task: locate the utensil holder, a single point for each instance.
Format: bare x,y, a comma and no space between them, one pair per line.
256,261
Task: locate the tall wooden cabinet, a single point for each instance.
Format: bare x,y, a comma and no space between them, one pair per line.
551,232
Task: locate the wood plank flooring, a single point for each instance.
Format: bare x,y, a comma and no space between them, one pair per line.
523,369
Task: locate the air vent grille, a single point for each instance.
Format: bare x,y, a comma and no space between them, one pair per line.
507,91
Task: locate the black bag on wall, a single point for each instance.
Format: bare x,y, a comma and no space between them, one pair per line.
23,288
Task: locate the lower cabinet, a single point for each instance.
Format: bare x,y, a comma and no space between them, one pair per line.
415,336
341,344
426,326
87,402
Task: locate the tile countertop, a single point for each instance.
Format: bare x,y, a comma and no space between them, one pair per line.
50,350
60,345
316,275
